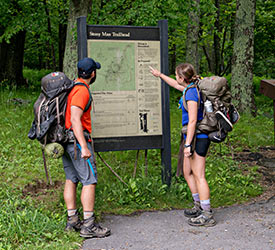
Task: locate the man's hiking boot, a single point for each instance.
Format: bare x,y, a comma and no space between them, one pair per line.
194,211
90,229
73,223
223,119
205,219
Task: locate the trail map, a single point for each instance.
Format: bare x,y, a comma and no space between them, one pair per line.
127,98
117,71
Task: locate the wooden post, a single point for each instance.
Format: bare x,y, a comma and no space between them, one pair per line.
267,88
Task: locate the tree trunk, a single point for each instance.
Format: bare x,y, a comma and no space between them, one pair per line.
61,44
50,45
11,60
172,58
243,56
77,8
217,47
192,54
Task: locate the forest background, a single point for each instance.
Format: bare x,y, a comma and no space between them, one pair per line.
234,39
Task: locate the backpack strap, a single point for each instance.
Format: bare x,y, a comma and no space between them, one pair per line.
90,99
184,94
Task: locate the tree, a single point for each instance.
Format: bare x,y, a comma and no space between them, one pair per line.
216,24
243,56
19,23
77,8
12,39
46,36
11,59
264,48
192,54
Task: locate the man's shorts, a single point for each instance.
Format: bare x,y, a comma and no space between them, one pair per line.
202,145
79,170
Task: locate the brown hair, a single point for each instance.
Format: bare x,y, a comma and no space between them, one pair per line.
187,71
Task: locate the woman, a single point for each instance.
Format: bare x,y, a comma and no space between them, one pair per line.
194,159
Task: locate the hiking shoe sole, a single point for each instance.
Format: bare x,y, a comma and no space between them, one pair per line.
208,223
205,219
224,122
108,233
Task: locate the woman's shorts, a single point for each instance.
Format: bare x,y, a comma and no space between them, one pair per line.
202,145
79,170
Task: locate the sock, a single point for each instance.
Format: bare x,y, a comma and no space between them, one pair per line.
196,197
205,205
87,214
71,212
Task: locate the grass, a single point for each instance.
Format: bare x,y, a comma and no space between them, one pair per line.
37,220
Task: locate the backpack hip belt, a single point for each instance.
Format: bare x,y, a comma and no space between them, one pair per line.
71,136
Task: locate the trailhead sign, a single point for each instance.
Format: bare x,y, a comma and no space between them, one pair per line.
130,105
127,98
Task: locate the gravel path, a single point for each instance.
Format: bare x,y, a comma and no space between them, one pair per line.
239,227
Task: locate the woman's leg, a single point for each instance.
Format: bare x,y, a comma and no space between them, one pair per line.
197,163
188,175
198,169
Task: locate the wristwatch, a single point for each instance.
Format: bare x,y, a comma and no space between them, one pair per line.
187,145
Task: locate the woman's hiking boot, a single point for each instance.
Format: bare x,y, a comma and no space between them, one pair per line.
90,229
205,219
73,223
194,211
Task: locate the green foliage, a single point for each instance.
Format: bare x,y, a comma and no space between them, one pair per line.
264,39
19,15
33,77
23,226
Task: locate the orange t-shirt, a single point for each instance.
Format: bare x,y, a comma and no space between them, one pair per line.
79,96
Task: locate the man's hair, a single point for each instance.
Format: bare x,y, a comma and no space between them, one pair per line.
84,76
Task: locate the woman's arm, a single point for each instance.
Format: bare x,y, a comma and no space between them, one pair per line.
191,127
170,81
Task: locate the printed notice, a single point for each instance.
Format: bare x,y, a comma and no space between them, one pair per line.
127,98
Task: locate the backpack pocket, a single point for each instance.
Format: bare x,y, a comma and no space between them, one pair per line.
208,124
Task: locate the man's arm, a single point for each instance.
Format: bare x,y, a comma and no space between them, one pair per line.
76,114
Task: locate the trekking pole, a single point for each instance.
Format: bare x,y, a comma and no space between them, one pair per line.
49,179
88,161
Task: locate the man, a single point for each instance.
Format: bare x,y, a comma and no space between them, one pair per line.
78,160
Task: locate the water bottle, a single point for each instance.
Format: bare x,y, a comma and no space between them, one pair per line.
208,106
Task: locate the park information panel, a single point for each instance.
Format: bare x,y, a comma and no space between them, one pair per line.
130,105
127,98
